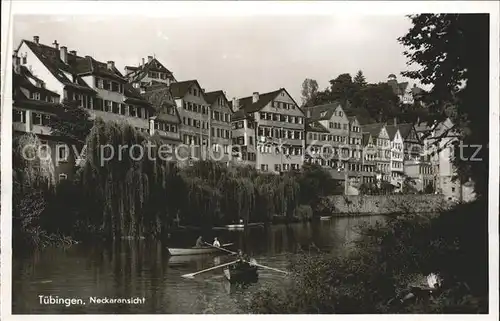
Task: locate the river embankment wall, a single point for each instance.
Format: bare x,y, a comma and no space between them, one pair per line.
385,204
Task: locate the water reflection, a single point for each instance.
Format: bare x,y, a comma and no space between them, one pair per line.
144,269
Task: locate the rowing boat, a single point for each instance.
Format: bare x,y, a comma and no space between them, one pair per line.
325,218
241,273
196,250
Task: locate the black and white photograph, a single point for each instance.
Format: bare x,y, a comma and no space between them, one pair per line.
249,158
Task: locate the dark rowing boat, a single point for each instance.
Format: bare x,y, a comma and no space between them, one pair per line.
241,272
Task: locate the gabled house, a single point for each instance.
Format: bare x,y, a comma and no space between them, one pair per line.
166,121
397,155
369,165
381,139
99,87
244,133
280,129
333,118
33,105
439,139
194,112
152,71
220,125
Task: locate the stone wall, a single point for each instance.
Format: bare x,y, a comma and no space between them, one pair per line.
385,204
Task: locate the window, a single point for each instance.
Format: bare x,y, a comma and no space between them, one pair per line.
116,108
106,84
35,96
264,167
62,152
19,116
277,167
100,83
37,119
63,177
107,106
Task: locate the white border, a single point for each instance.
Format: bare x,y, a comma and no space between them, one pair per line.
210,8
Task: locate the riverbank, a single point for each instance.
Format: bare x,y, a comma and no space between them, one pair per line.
340,205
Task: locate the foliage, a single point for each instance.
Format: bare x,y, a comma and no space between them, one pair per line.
73,122
369,102
360,79
118,194
33,185
379,100
450,56
309,89
315,183
387,259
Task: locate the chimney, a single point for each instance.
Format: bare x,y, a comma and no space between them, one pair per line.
236,104
111,65
73,52
143,61
36,39
395,121
56,44
255,97
150,58
64,54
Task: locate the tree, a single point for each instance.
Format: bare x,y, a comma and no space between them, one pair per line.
360,79
309,89
455,60
72,122
379,100
342,89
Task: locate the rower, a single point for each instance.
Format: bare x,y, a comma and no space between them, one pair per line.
216,243
199,242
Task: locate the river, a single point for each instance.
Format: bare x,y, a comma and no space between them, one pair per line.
143,269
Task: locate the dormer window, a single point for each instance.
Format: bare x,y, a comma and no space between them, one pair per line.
35,96
323,114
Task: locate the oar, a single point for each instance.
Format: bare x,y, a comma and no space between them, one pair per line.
191,275
253,262
220,248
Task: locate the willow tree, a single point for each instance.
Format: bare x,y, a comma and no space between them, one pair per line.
122,180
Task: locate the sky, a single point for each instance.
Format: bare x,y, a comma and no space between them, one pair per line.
239,55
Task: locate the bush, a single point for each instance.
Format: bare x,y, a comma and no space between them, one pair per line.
383,263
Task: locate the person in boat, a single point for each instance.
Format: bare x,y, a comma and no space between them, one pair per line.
199,242
216,242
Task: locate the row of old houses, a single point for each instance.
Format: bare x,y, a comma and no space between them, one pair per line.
268,131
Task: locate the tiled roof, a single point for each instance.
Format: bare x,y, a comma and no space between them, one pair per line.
315,126
405,129
366,139
50,57
323,112
391,130
180,89
21,80
88,65
212,96
142,70
133,96
373,129
161,99
249,106
239,115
